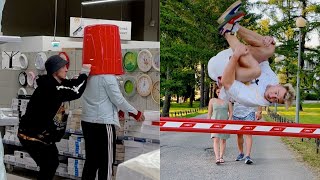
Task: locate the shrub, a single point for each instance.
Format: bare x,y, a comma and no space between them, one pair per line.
311,96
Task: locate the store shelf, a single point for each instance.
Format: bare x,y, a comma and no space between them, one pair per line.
67,154
9,121
79,132
13,163
73,155
144,140
72,131
15,143
9,39
67,176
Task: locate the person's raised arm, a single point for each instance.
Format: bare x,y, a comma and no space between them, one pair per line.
71,89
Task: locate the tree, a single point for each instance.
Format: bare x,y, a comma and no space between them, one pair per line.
279,21
189,36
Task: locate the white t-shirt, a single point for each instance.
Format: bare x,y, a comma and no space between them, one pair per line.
241,111
218,63
251,95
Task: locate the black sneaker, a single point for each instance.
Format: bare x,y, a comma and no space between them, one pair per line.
240,157
248,160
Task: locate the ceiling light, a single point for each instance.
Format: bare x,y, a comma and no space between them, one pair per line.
97,2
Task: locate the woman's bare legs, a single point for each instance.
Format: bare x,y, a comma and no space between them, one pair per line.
216,143
223,144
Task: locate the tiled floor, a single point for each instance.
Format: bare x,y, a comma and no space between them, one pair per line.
14,177
27,175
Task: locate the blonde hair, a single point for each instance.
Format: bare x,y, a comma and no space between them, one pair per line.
289,95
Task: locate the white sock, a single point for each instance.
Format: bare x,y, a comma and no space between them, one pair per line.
235,27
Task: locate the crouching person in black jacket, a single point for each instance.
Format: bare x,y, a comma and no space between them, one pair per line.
45,120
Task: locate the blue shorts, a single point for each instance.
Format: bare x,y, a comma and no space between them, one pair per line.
249,117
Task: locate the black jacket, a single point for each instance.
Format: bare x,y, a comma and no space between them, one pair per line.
45,118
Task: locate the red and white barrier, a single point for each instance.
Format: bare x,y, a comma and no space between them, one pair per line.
239,127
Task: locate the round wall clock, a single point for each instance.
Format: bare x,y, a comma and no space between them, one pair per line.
35,85
40,60
120,81
144,85
23,61
145,60
30,78
130,61
156,92
22,91
129,86
23,78
65,56
156,62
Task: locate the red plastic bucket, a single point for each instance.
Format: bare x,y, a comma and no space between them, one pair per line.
102,49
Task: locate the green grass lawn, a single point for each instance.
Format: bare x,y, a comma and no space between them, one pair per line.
306,150
183,106
177,107
309,115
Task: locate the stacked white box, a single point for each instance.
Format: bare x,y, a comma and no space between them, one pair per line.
63,145
19,105
62,168
132,149
151,115
147,127
76,144
10,157
75,137
74,120
120,153
141,137
21,154
11,134
119,131
24,158
75,167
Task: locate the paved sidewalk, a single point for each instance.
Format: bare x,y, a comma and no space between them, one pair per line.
190,156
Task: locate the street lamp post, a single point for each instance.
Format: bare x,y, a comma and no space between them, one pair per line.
300,23
277,60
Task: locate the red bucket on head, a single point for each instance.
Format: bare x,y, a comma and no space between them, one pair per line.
102,49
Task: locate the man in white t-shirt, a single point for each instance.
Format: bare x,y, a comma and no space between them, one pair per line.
247,63
243,113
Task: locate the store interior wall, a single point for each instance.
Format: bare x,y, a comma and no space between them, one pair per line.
8,87
152,13
36,17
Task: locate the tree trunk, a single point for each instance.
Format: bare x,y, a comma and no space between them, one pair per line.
287,76
300,105
192,97
303,42
206,95
167,99
202,86
178,99
211,90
